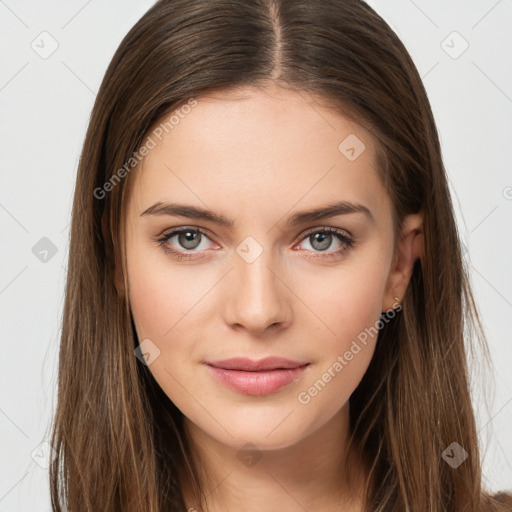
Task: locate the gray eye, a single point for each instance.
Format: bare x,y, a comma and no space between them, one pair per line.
322,241
189,239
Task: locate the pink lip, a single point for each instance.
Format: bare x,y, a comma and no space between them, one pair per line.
256,377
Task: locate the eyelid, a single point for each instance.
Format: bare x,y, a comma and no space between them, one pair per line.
179,229
207,233
344,236
329,229
167,234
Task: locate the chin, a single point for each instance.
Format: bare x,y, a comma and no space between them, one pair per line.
274,430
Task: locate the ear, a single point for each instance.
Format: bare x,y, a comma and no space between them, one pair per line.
409,249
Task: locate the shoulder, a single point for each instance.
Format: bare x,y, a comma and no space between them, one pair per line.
499,502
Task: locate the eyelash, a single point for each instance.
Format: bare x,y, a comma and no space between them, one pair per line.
348,242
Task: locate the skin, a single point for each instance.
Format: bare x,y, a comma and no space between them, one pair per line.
256,157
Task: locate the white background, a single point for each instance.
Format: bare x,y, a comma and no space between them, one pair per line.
45,106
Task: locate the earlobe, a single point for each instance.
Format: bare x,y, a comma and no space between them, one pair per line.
409,249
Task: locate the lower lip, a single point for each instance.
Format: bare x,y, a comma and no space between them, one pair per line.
256,383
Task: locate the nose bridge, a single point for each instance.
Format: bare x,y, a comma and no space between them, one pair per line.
256,295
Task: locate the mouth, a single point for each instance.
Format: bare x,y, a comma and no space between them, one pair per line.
256,377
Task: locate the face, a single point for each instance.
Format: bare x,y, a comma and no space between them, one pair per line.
268,282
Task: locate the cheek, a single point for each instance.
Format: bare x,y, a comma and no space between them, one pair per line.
159,297
332,311
345,302
349,304
351,307
162,303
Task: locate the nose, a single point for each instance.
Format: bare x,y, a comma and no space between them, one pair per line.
257,296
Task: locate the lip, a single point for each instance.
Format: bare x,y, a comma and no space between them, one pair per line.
249,365
256,377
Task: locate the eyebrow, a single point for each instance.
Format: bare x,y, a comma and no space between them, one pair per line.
195,212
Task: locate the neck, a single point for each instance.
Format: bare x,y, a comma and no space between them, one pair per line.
308,475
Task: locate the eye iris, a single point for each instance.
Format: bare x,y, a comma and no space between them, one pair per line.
189,237
323,238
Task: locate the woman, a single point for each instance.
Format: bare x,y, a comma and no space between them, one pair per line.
266,299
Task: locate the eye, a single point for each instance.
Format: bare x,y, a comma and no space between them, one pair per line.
321,239
189,240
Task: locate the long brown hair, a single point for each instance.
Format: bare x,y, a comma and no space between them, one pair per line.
119,438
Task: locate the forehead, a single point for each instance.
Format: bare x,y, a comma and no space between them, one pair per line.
259,146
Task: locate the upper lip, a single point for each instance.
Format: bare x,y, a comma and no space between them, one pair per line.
243,363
